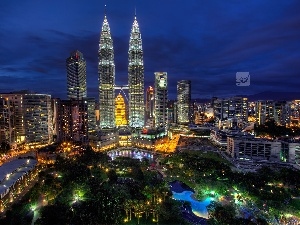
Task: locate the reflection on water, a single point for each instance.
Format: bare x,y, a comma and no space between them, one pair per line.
135,154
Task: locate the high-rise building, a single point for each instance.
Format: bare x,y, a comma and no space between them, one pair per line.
294,107
38,118
7,122
136,78
149,111
264,111
18,100
228,108
106,73
183,101
76,75
161,100
279,111
75,119
120,111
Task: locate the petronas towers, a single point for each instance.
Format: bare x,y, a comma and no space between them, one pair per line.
106,76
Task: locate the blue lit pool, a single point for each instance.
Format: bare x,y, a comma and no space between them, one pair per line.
183,192
198,207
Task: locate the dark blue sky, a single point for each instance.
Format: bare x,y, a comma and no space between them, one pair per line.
204,41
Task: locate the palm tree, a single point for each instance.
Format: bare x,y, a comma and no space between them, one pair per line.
127,207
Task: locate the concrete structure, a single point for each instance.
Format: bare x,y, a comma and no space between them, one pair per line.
228,108
279,111
106,73
76,75
294,107
161,100
136,78
16,98
74,119
183,101
120,111
37,118
253,149
14,177
149,110
7,122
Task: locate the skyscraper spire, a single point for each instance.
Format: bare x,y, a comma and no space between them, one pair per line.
136,77
106,74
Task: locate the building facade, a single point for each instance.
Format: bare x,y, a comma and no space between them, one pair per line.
74,120
279,111
161,100
7,122
183,101
76,75
149,110
121,119
16,98
229,108
106,74
136,78
38,118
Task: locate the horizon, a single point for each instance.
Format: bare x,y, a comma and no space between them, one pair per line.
207,43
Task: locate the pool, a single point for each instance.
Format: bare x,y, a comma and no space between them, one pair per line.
198,207
183,192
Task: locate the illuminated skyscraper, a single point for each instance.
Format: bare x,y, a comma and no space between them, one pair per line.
106,73
120,111
149,111
136,78
76,75
183,101
161,99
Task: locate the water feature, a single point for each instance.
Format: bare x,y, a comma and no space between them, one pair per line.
183,192
198,207
132,153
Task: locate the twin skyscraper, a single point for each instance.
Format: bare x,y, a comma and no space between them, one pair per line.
106,76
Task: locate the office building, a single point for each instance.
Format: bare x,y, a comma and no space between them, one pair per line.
7,122
37,118
120,110
106,73
136,78
279,111
161,100
149,110
183,101
294,107
75,119
76,75
229,108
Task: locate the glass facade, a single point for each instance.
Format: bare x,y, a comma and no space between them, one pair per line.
76,76
136,78
106,73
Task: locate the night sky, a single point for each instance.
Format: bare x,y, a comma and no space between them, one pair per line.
207,42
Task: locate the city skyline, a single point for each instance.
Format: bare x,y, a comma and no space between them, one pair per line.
207,43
